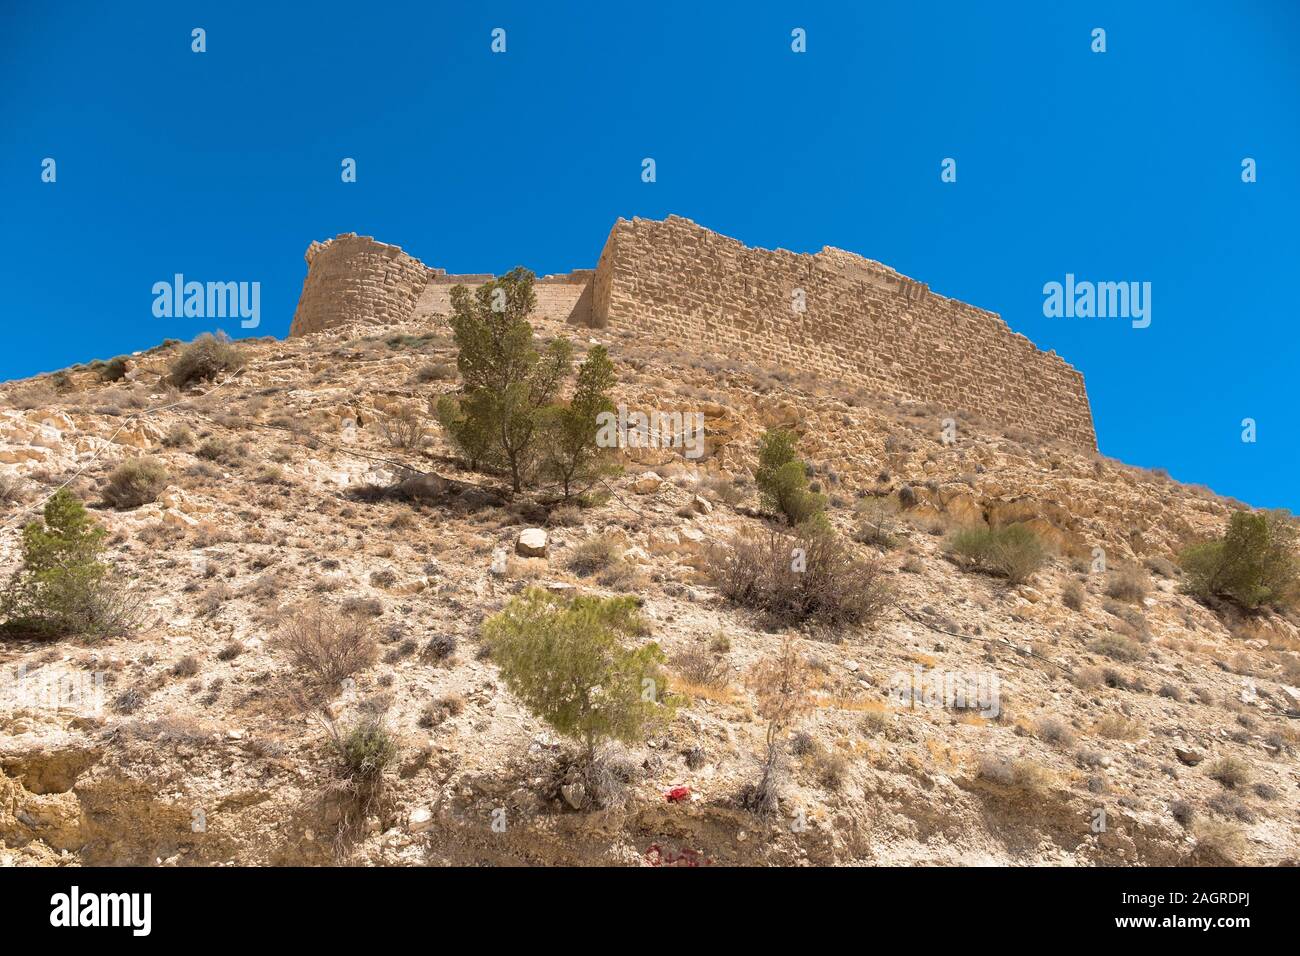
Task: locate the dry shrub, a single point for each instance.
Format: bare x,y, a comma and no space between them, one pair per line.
701,668
806,576
1118,727
1231,772
1018,774
1072,595
1117,647
725,490
1129,583
436,711
327,644
1054,730
1013,552
405,428
135,482
205,358
12,488
593,555
879,523
783,685
1218,842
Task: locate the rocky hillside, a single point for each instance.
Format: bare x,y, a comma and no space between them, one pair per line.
1134,726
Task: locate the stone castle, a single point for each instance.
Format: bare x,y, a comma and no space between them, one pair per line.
831,313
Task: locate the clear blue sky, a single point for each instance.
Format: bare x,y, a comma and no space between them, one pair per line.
1117,166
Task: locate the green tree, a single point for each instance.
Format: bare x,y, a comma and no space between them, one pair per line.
565,659
573,452
782,478
472,436
508,380
58,589
1253,564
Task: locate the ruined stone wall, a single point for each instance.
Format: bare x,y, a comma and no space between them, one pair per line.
862,324
353,278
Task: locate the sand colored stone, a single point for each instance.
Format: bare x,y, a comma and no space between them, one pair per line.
832,313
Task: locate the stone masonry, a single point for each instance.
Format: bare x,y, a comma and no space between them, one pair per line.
861,323
832,313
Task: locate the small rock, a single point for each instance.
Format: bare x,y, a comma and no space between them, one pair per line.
701,505
1188,756
421,820
531,543
647,484
575,794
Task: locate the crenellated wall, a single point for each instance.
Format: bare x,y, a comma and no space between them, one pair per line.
832,313
837,314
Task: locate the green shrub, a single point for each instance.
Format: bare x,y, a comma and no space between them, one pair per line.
566,660
783,479
1013,552
574,455
205,358
366,749
1253,564
806,576
135,482
62,587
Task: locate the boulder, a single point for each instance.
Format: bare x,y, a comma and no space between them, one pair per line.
531,543
647,484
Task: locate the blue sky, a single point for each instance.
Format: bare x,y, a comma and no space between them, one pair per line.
1117,166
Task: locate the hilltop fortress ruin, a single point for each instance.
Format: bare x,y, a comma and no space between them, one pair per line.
832,313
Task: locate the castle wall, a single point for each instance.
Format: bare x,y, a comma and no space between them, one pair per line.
353,278
863,324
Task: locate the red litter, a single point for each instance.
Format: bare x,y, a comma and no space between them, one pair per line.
678,794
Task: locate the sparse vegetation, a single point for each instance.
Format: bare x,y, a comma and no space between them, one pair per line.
782,478
404,427
1117,647
62,586
135,482
1231,772
1013,552
783,686
1016,774
568,663
1254,564
114,369
204,359
877,523
1128,583
806,576
326,644
365,749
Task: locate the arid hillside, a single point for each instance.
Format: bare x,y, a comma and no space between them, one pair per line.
1134,724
